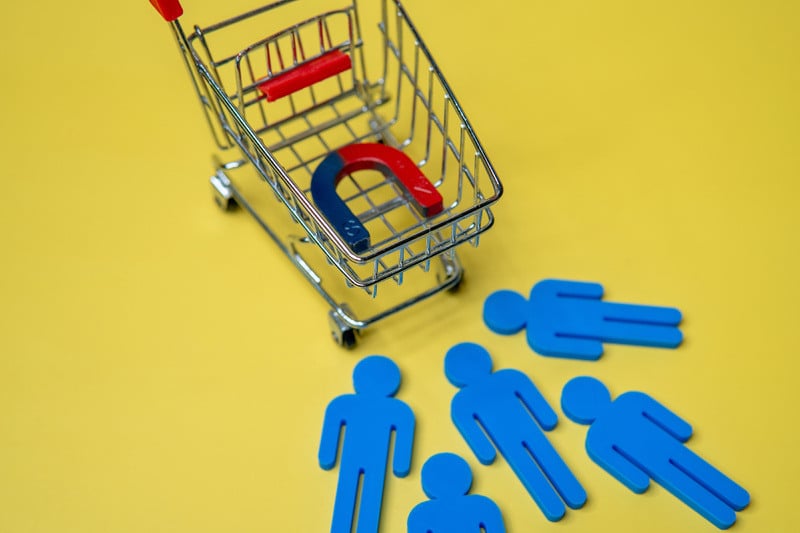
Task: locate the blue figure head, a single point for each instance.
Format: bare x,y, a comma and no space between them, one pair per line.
446,475
505,312
584,398
376,375
467,363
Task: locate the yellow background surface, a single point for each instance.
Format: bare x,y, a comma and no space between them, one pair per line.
163,368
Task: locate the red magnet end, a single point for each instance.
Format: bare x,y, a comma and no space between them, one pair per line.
394,163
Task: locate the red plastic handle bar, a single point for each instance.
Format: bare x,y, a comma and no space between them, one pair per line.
307,74
169,9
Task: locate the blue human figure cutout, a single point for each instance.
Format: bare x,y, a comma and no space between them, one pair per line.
569,319
446,480
505,411
369,417
636,439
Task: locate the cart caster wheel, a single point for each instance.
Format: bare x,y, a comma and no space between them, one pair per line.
342,334
223,193
348,338
456,287
225,205
451,269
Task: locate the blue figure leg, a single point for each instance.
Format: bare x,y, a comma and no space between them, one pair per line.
524,465
641,324
557,471
345,504
369,512
640,334
693,493
643,314
715,481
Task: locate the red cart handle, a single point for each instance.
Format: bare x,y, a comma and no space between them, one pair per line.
169,9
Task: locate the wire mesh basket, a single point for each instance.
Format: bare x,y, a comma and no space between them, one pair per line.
357,87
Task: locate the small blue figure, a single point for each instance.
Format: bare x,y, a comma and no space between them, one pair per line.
568,319
369,418
505,410
446,480
635,438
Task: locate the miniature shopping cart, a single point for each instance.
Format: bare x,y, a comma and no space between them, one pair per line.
349,149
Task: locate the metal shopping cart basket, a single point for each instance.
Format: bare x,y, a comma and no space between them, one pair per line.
349,149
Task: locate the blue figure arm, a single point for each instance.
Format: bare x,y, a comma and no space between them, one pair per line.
533,400
492,518
554,288
403,441
470,427
661,416
331,429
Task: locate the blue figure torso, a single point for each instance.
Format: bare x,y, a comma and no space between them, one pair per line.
368,428
459,514
548,314
496,403
626,426
639,438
